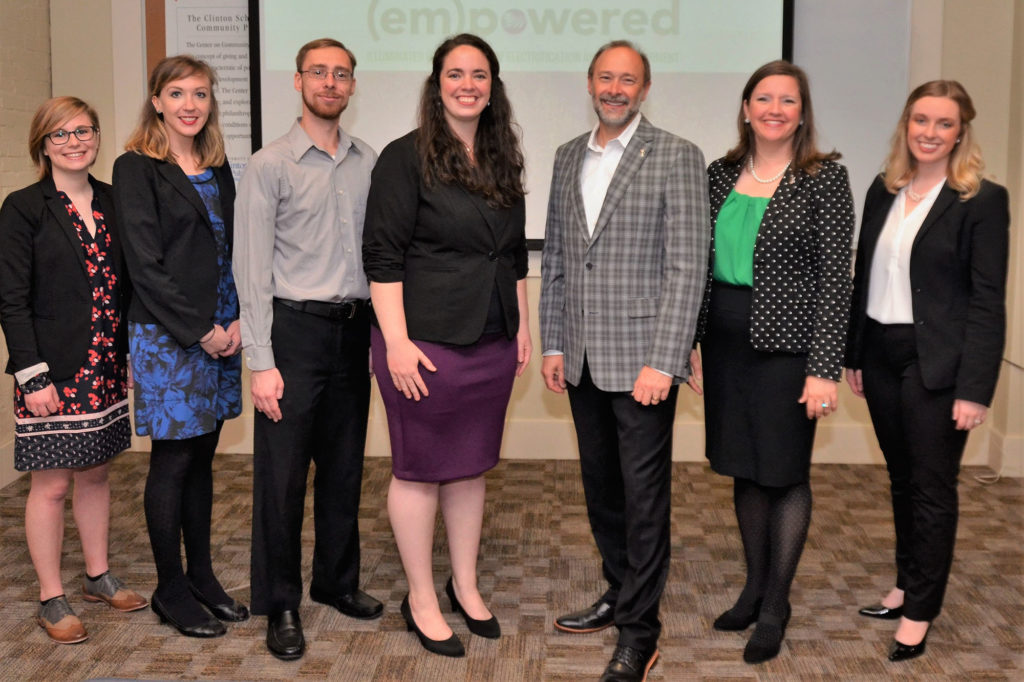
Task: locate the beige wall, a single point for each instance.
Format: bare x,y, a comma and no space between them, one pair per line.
25,75
980,43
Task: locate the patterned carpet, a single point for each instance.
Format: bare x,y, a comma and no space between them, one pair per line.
538,560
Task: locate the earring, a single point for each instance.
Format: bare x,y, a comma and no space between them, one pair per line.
958,140
746,120
801,121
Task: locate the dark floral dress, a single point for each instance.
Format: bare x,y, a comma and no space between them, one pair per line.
92,424
183,392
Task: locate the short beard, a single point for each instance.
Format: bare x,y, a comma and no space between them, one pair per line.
622,120
321,111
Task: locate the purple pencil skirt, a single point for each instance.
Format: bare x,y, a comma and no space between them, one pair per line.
455,432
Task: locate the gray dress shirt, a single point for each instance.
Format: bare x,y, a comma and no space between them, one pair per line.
298,231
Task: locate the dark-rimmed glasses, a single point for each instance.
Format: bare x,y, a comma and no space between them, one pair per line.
83,133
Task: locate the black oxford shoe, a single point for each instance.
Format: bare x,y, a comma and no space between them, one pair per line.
883,612
356,604
596,617
284,636
629,665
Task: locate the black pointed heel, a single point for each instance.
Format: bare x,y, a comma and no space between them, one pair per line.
447,647
489,628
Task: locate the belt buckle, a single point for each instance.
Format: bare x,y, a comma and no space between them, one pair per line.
351,309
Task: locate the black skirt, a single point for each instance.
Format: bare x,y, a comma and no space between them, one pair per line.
754,426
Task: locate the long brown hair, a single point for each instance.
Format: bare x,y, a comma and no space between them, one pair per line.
806,156
48,116
498,173
965,163
150,135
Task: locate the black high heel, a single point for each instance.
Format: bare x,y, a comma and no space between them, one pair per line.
766,642
211,628
232,611
898,651
730,622
489,628
447,647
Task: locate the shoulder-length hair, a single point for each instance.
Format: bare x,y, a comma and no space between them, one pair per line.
806,155
47,119
965,168
498,171
150,135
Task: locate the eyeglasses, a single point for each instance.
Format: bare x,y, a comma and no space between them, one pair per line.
341,75
83,133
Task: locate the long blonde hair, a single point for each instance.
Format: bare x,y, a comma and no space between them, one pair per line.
150,135
964,172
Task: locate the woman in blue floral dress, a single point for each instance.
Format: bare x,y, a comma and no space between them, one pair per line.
175,193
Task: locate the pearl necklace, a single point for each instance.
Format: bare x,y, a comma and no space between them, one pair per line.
767,181
912,194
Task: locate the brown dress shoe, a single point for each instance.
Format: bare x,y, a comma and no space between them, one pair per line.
112,591
60,622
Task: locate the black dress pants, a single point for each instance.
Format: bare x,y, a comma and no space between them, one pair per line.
324,364
922,451
626,463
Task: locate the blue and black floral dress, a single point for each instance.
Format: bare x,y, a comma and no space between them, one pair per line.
183,392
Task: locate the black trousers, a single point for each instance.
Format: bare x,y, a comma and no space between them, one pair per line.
922,451
324,365
626,462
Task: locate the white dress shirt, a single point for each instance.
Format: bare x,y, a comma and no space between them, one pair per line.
599,166
889,296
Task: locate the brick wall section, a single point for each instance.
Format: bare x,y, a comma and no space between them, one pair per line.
25,75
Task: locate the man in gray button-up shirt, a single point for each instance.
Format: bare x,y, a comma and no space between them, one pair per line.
305,332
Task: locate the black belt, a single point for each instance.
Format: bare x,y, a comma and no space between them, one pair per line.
345,310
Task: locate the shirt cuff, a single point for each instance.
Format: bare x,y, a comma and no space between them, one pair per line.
25,374
551,352
259,358
668,374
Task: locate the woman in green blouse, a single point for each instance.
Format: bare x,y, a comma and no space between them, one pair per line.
772,333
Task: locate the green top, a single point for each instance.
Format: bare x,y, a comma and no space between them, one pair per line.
735,234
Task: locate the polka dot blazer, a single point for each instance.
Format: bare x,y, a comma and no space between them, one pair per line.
802,284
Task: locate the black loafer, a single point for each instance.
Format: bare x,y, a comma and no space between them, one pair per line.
883,612
629,665
356,604
232,611
284,636
597,617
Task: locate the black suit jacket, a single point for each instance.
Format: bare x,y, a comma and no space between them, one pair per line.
169,244
45,294
801,293
446,245
958,266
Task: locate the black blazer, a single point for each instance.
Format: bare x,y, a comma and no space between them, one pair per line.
45,294
801,294
958,266
446,245
169,244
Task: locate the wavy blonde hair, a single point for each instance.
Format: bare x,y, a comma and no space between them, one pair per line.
964,172
150,135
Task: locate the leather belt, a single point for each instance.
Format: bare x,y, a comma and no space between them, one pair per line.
345,310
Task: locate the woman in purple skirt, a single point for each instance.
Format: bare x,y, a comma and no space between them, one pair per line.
444,247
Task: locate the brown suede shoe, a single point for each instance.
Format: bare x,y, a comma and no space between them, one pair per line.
60,622
112,591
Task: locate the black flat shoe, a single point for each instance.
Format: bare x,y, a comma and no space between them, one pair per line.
731,621
484,628
355,604
284,636
598,616
898,651
444,647
629,665
883,612
766,642
211,628
233,611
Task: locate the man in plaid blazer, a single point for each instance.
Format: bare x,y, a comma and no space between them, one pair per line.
623,271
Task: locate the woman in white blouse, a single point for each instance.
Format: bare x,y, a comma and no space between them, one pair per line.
926,335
